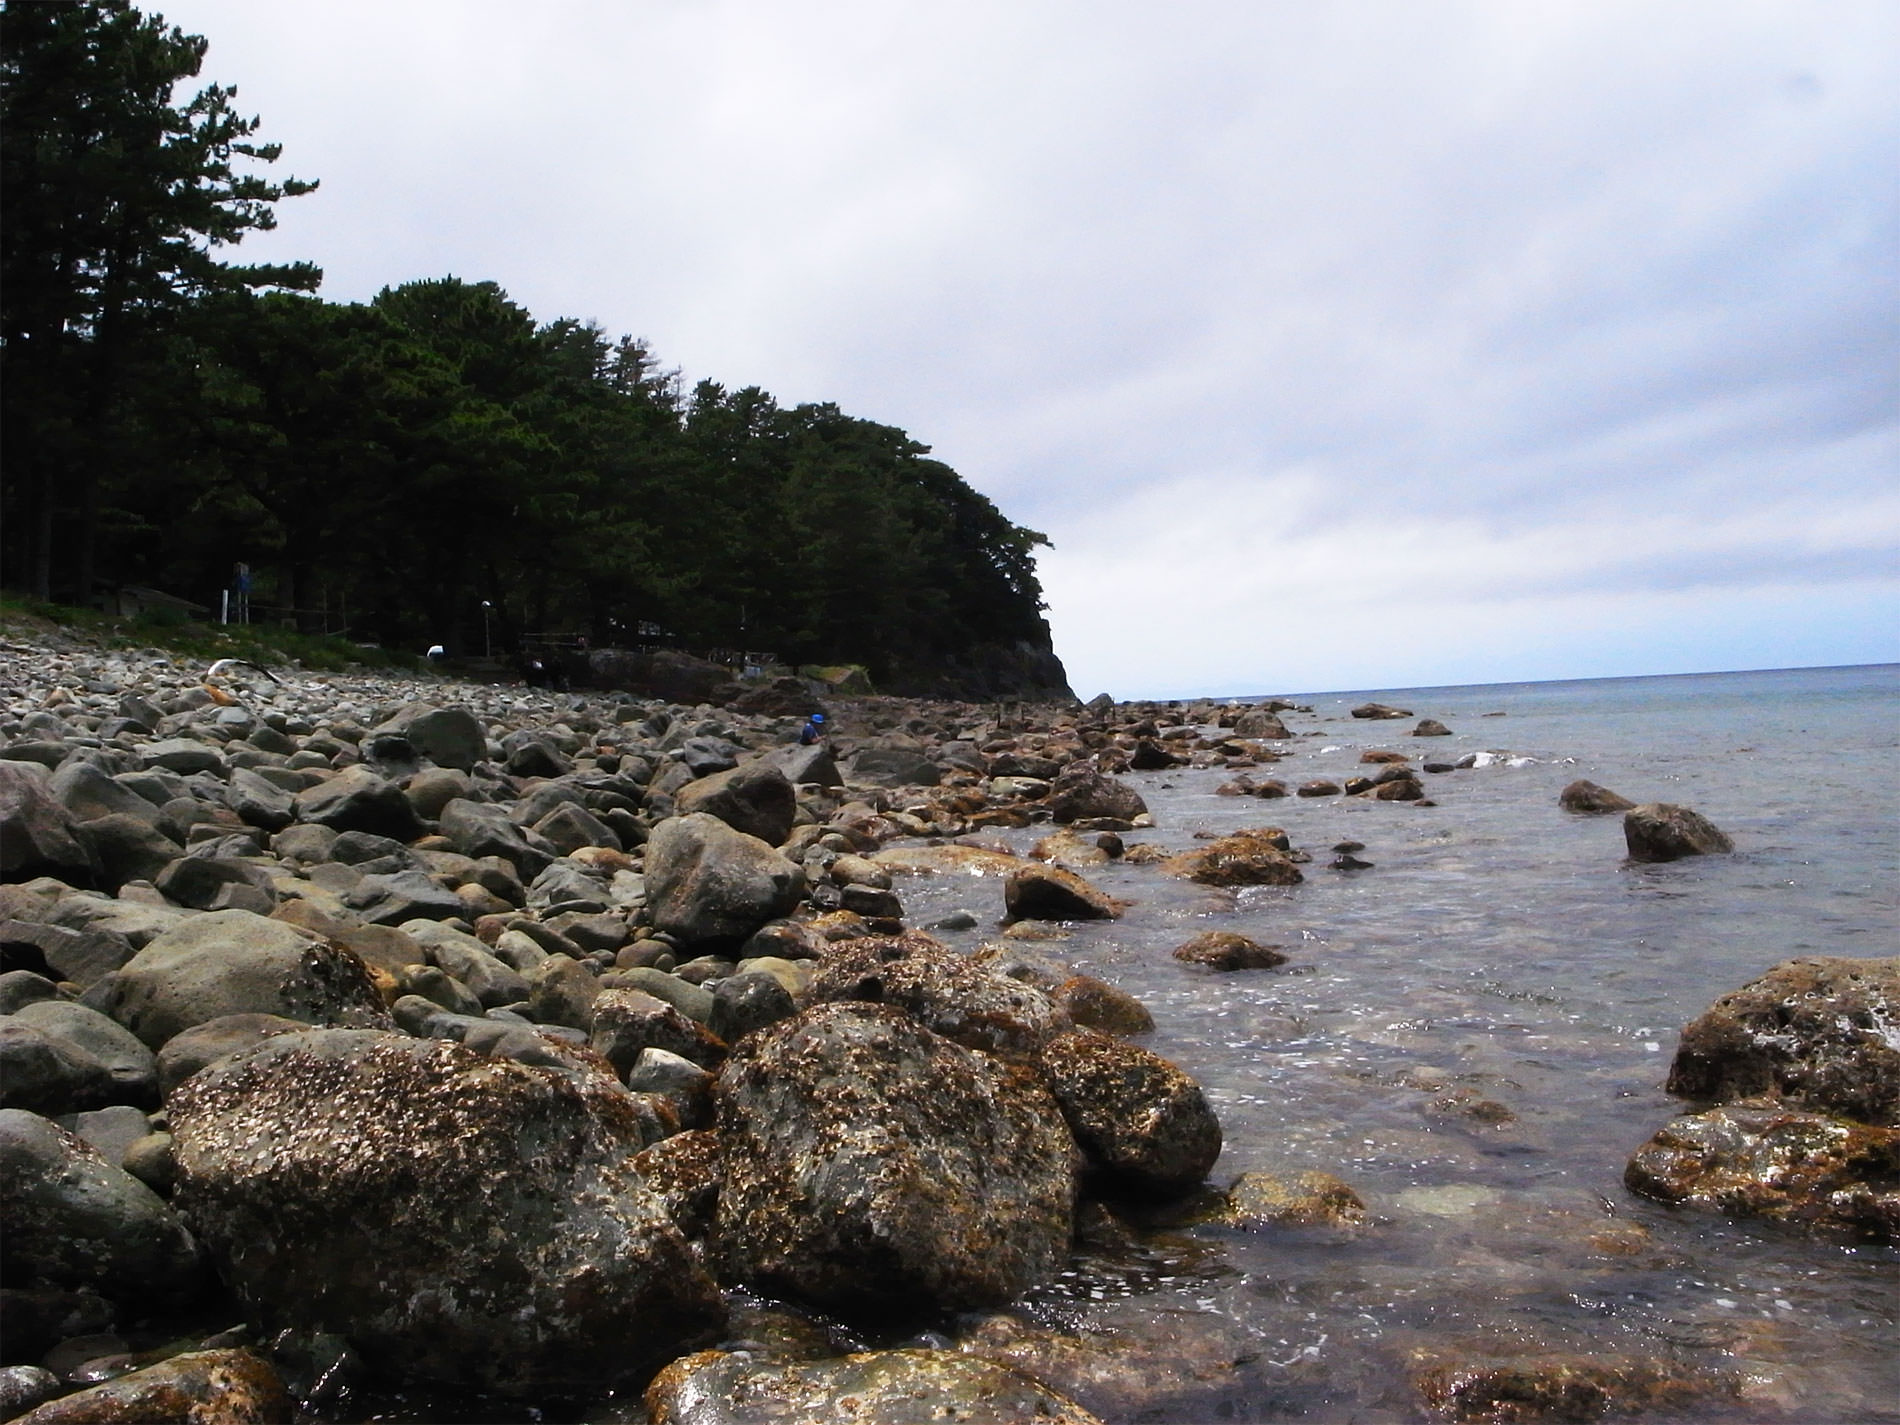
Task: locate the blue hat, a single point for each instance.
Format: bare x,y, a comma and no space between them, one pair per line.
817,717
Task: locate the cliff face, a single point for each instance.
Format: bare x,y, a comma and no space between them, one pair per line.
986,672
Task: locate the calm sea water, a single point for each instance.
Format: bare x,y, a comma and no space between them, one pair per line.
1501,949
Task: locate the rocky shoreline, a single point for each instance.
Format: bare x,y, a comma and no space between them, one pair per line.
477,1037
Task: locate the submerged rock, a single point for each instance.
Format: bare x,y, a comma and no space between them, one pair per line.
462,1219
873,1388
1042,892
1475,1388
1248,858
217,1387
1228,950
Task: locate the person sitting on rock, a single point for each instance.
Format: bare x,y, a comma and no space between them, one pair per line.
813,731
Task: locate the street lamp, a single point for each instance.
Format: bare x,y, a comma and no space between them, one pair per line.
488,647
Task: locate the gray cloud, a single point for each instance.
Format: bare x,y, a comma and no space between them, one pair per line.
1509,318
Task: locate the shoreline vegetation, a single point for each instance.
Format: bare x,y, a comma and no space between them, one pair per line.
373,1036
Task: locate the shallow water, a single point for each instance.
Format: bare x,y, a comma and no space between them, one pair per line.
1502,947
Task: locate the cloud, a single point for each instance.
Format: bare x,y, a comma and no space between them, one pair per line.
1521,319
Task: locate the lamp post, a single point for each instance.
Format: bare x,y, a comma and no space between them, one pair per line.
488,647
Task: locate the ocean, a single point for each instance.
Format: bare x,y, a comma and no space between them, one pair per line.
1498,951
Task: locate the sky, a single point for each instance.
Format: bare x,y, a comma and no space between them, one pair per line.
1362,345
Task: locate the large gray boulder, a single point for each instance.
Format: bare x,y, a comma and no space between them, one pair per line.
237,962
38,836
356,799
131,1068
74,1222
706,881
89,792
754,798
461,1219
481,829
448,737
871,1164
894,767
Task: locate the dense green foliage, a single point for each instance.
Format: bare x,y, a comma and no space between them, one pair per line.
433,465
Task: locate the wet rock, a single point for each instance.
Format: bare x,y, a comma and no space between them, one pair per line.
1081,792
23,1387
1096,1004
1764,1160
1260,722
1658,831
1430,727
1144,1124
1318,787
1379,711
1253,858
1227,950
1586,798
1816,1031
219,1387
745,1003
684,1084
1557,1388
947,859
461,1219
234,962
77,1223
874,1387
1051,893
871,1164
706,881
963,999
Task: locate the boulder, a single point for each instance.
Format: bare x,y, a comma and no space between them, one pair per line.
1761,1159
755,798
461,1219
531,752
1471,1387
481,829
448,737
1144,1124
628,1023
186,1053
1816,1032
229,1386
235,962
1431,727
1303,1199
77,1223
258,801
38,836
1260,722
872,1165
1081,792
975,1005
1379,711
356,799
894,767
706,881
89,792
1586,798
1096,1004
1248,858
806,765
896,1387
42,1072
128,848
568,828
1051,893
79,956
1658,831
1227,950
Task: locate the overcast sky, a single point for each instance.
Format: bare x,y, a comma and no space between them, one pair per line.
1334,346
